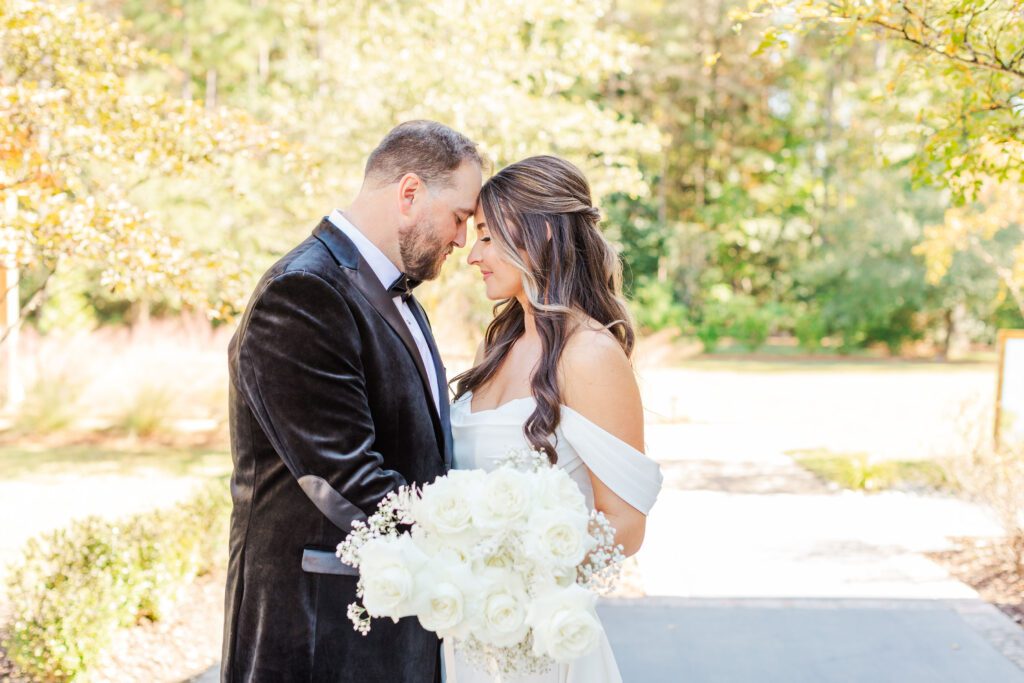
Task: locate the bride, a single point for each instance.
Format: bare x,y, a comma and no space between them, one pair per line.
553,370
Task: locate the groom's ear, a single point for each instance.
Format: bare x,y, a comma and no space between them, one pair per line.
409,186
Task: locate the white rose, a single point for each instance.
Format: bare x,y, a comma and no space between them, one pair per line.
387,568
565,624
444,506
558,538
546,577
447,595
504,499
432,543
502,609
556,490
442,608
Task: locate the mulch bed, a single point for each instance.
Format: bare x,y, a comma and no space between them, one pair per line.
985,566
175,649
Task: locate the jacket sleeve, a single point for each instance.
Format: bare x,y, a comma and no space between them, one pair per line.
300,371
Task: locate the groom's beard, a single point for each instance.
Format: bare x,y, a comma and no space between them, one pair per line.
422,252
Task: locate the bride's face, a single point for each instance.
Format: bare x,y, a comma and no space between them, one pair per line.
502,279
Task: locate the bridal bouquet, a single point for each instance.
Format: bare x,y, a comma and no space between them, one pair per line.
505,562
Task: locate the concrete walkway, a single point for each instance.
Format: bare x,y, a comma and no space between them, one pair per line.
755,571
673,640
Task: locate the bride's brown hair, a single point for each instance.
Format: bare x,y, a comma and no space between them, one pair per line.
540,214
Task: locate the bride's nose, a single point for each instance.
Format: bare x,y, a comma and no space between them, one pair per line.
473,258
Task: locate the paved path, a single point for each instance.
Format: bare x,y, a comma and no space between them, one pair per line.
756,572
666,640
676,640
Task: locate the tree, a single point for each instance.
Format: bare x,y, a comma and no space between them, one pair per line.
967,54
80,131
335,75
960,63
991,229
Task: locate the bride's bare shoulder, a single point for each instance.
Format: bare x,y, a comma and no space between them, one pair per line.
597,381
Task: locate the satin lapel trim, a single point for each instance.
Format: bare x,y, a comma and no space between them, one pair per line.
442,382
367,283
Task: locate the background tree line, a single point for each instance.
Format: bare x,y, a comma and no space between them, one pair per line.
837,171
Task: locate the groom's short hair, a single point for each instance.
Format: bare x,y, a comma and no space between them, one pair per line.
429,149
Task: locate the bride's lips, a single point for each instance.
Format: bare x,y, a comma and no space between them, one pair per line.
485,273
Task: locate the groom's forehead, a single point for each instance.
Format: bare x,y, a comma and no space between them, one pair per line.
468,179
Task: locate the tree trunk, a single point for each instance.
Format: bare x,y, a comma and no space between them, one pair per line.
947,343
10,319
211,88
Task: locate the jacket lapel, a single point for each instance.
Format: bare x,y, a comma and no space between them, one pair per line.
442,378
359,273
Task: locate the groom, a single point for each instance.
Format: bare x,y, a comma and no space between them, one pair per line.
337,397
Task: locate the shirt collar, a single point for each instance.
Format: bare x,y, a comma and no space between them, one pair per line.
386,271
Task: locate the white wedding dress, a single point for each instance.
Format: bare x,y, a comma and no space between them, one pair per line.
483,437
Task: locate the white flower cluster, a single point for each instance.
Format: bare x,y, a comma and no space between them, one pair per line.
500,561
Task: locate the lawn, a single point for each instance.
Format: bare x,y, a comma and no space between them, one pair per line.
27,461
858,472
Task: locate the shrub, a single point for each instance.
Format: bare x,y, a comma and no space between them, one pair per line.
74,587
51,404
740,317
654,305
148,413
750,322
994,476
712,326
810,330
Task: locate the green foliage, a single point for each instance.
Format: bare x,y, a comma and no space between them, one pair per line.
957,63
741,318
810,329
712,327
654,306
731,149
73,588
751,322
867,285
83,133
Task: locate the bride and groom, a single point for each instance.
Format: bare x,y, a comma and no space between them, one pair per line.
338,396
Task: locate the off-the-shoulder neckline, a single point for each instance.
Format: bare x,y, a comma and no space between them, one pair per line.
467,398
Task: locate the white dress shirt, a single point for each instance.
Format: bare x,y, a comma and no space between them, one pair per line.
387,272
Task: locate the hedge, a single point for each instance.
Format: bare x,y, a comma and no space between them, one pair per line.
74,587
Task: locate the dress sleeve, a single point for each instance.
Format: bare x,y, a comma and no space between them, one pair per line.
632,475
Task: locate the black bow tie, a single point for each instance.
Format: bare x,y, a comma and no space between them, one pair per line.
403,287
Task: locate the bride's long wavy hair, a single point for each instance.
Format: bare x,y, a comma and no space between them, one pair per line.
540,214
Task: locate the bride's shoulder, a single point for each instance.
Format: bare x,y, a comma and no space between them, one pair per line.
588,341
597,381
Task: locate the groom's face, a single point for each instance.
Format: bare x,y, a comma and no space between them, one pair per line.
440,223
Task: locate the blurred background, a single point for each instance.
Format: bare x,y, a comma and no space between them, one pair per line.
818,207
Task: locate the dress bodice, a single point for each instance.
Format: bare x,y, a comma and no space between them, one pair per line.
482,438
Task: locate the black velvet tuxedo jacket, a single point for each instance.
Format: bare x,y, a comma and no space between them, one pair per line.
330,409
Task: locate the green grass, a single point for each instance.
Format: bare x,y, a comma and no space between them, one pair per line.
830,364
18,462
779,358
856,472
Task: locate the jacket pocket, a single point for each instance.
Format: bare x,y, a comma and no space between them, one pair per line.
317,561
